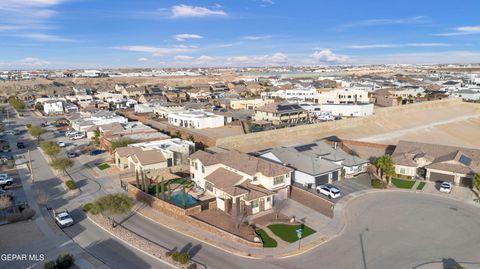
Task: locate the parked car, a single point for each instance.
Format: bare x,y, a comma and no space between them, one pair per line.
5,158
63,218
10,132
76,137
71,155
70,133
6,181
446,187
6,148
20,145
17,132
96,152
328,190
61,144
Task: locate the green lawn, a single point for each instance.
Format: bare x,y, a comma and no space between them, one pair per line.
103,166
180,181
421,185
288,232
402,183
268,242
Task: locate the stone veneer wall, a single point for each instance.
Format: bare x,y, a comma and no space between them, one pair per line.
184,215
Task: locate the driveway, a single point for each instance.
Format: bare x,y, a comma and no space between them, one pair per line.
458,193
350,185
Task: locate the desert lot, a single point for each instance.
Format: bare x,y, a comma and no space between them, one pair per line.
449,122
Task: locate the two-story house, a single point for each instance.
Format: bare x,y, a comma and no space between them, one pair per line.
242,184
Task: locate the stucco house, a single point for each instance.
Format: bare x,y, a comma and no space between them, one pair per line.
436,162
242,184
317,163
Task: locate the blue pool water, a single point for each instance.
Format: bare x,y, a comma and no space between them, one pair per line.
177,199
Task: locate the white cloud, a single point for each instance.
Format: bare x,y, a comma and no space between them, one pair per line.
275,59
17,15
157,51
183,37
463,30
444,57
266,3
182,58
380,46
261,37
327,56
45,37
143,59
374,22
28,62
191,11
205,58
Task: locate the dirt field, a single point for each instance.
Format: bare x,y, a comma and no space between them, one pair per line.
449,122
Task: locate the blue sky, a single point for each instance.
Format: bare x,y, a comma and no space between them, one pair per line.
148,33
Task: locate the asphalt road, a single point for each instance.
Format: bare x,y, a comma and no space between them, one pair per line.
384,230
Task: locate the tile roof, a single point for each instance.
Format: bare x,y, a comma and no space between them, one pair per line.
440,157
223,178
242,162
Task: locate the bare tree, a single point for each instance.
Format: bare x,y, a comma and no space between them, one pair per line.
5,202
239,218
278,206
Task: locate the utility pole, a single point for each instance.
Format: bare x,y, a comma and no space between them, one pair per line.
31,167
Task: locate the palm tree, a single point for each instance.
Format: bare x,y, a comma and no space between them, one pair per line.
476,181
385,166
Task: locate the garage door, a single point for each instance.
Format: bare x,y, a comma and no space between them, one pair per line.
319,180
335,176
441,177
466,182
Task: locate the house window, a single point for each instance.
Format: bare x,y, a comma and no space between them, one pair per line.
193,163
196,166
278,180
255,178
209,186
203,169
287,175
268,200
402,171
193,175
255,203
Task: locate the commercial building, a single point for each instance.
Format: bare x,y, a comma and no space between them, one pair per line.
196,119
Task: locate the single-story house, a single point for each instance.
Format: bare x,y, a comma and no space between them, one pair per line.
436,162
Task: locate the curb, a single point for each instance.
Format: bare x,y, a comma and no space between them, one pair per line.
141,250
199,239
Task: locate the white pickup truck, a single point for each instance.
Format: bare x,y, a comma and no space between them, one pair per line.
63,218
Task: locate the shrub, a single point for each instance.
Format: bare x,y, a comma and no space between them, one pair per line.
49,265
87,207
192,266
169,253
64,261
28,125
70,184
28,213
183,258
378,184
175,256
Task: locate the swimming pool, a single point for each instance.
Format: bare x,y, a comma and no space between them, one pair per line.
177,199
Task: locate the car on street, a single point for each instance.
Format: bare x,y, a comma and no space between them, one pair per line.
70,133
6,148
10,132
20,145
5,158
6,181
329,190
63,218
61,144
71,155
96,152
76,137
446,187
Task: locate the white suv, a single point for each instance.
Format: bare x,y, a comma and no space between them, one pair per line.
446,187
70,133
6,181
77,136
328,190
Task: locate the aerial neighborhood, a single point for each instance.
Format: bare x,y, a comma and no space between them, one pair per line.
243,160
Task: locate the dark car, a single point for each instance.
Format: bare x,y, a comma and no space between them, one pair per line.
96,152
20,145
71,155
